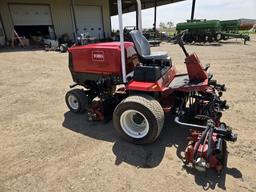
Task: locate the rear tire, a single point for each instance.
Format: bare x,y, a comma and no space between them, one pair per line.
139,119
76,100
63,48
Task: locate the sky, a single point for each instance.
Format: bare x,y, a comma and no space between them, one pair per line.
180,12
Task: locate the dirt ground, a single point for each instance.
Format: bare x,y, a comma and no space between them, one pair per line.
44,147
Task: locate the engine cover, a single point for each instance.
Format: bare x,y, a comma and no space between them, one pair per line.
102,58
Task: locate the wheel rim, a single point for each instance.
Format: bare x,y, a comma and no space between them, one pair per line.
134,124
218,37
73,102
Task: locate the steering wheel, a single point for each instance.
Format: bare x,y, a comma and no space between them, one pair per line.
179,37
179,40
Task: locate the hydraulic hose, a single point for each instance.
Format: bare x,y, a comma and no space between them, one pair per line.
209,149
177,120
200,141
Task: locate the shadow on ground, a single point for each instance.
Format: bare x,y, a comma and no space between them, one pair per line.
236,42
217,44
211,179
147,156
97,130
214,44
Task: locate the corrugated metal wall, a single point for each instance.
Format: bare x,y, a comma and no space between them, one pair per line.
61,14
105,12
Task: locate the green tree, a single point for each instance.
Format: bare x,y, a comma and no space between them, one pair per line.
169,24
162,25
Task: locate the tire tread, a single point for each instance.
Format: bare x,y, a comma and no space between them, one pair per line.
153,106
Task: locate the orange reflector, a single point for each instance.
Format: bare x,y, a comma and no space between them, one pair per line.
155,87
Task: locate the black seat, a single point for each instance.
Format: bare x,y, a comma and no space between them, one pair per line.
143,47
159,58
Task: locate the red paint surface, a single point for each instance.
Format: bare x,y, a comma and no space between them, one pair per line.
108,59
159,86
195,69
202,150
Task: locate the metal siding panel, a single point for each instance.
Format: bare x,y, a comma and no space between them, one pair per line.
61,14
89,19
2,35
6,18
105,12
30,14
62,19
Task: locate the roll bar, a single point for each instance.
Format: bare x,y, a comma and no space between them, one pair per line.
139,16
121,33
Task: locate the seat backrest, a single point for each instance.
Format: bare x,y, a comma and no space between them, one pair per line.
141,43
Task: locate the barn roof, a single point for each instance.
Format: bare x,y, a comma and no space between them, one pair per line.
130,5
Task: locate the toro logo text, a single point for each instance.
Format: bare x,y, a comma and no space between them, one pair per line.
98,55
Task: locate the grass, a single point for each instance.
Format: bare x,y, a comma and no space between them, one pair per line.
170,32
246,32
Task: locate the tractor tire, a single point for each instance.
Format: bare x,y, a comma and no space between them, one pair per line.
139,119
63,48
76,100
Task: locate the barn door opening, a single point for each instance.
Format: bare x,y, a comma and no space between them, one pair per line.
32,21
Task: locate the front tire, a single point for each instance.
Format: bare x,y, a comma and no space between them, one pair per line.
139,119
76,100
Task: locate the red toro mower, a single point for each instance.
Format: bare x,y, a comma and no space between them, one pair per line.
136,87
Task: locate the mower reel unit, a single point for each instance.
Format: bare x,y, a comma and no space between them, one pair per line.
135,87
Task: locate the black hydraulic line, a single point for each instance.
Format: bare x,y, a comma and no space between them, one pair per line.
72,86
200,141
193,10
224,133
219,146
206,139
209,149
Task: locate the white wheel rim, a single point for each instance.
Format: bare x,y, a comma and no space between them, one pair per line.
138,129
218,36
73,102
